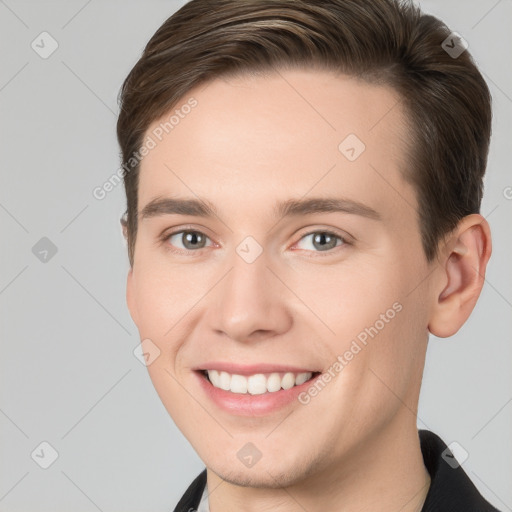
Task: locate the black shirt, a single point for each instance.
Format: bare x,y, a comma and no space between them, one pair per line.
450,490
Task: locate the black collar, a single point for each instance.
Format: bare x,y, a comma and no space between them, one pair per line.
450,490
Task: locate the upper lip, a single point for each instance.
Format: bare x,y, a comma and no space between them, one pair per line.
251,369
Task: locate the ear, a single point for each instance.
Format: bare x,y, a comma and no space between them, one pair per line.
463,261
124,226
130,297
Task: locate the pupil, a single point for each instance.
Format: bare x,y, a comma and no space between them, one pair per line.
192,238
323,240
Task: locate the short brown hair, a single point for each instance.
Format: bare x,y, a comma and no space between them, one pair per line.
389,42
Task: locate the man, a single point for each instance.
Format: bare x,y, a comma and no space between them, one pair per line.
303,183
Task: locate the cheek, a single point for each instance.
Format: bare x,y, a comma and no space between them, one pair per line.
164,294
373,317
388,322
350,298
170,301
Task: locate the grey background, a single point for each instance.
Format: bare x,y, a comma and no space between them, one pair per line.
68,373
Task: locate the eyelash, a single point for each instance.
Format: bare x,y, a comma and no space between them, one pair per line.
187,252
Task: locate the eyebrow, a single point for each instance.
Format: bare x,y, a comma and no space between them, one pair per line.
289,208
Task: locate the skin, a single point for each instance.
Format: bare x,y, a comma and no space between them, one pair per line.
250,142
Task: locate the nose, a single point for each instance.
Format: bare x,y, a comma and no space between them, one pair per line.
251,302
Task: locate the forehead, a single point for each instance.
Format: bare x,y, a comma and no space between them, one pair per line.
257,138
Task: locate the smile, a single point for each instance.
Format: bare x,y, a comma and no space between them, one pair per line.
258,383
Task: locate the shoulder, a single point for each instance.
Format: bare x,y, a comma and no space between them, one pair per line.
450,488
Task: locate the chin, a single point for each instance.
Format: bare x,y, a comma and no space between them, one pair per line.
269,474
251,477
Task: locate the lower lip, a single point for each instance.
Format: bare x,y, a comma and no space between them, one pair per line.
252,405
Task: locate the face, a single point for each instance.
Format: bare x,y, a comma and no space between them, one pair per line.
308,262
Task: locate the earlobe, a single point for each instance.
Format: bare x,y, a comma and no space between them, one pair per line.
130,296
462,274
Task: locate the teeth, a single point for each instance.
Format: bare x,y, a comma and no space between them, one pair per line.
274,382
256,384
224,381
238,384
301,378
288,381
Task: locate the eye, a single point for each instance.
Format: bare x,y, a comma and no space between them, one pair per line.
321,241
187,240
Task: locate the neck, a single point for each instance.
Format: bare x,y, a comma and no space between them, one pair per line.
387,474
